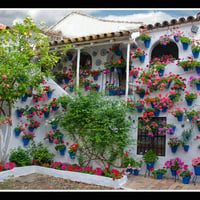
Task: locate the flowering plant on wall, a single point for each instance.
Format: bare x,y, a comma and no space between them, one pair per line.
186,64
144,35
195,46
164,39
174,141
138,52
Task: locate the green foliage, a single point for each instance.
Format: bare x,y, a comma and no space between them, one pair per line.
150,156
20,157
99,127
42,154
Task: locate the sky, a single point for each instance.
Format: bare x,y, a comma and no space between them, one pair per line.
51,16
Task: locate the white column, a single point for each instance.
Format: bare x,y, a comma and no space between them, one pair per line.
127,69
78,67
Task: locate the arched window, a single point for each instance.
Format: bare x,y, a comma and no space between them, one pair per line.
160,50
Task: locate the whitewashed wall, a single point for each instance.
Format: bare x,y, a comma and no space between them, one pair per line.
185,156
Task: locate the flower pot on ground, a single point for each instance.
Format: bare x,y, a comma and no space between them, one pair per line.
185,174
196,165
150,158
158,173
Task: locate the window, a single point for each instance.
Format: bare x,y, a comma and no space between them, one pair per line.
169,49
156,143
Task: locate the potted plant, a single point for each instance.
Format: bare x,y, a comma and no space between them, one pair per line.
196,64
196,165
54,123
134,73
33,124
186,64
164,39
18,129
196,81
72,150
139,53
49,91
27,136
150,158
171,128
190,97
116,49
174,142
95,74
185,41
185,174
60,147
178,113
174,165
50,136
45,110
144,36
158,173
185,137
54,104
174,96
160,68
191,115
140,91
195,47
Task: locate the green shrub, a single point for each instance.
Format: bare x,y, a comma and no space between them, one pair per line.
20,156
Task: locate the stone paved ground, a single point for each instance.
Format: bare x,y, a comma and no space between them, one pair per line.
150,183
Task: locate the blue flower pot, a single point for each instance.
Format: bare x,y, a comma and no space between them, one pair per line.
24,98
150,165
118,53
49,94
130,171
46,114
72,155
136,172
180,118
54,127
142,95
197,69
164,109
197,170
185,46
71,89
186,148
161,72
119,69
159,176
66,80
62,152
174,149
17,132
157,113
140,109
96,77
173,172
25,141
173,130
142,58
69,57
31,129
176,38
147,43
110,92
189,103
51,141
198,86
186,180
54,108
195,54
19,113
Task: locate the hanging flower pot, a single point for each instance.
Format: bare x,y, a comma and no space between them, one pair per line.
72,155
118,52
176,38
185,46
96,77
31,129
24,98
197,69
147,43
141,95
119,69
46,114
195,54
49,94
142,58
189,103
174,149
198,86
54,107
51,140
19,113
172,130
66,80
71,88
62,152
54,126
180,118
161,72
186,148
17,132
140,108
157,113
25,141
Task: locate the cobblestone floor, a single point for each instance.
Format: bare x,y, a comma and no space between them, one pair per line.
150,183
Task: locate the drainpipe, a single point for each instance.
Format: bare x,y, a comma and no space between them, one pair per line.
78,67
127,69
